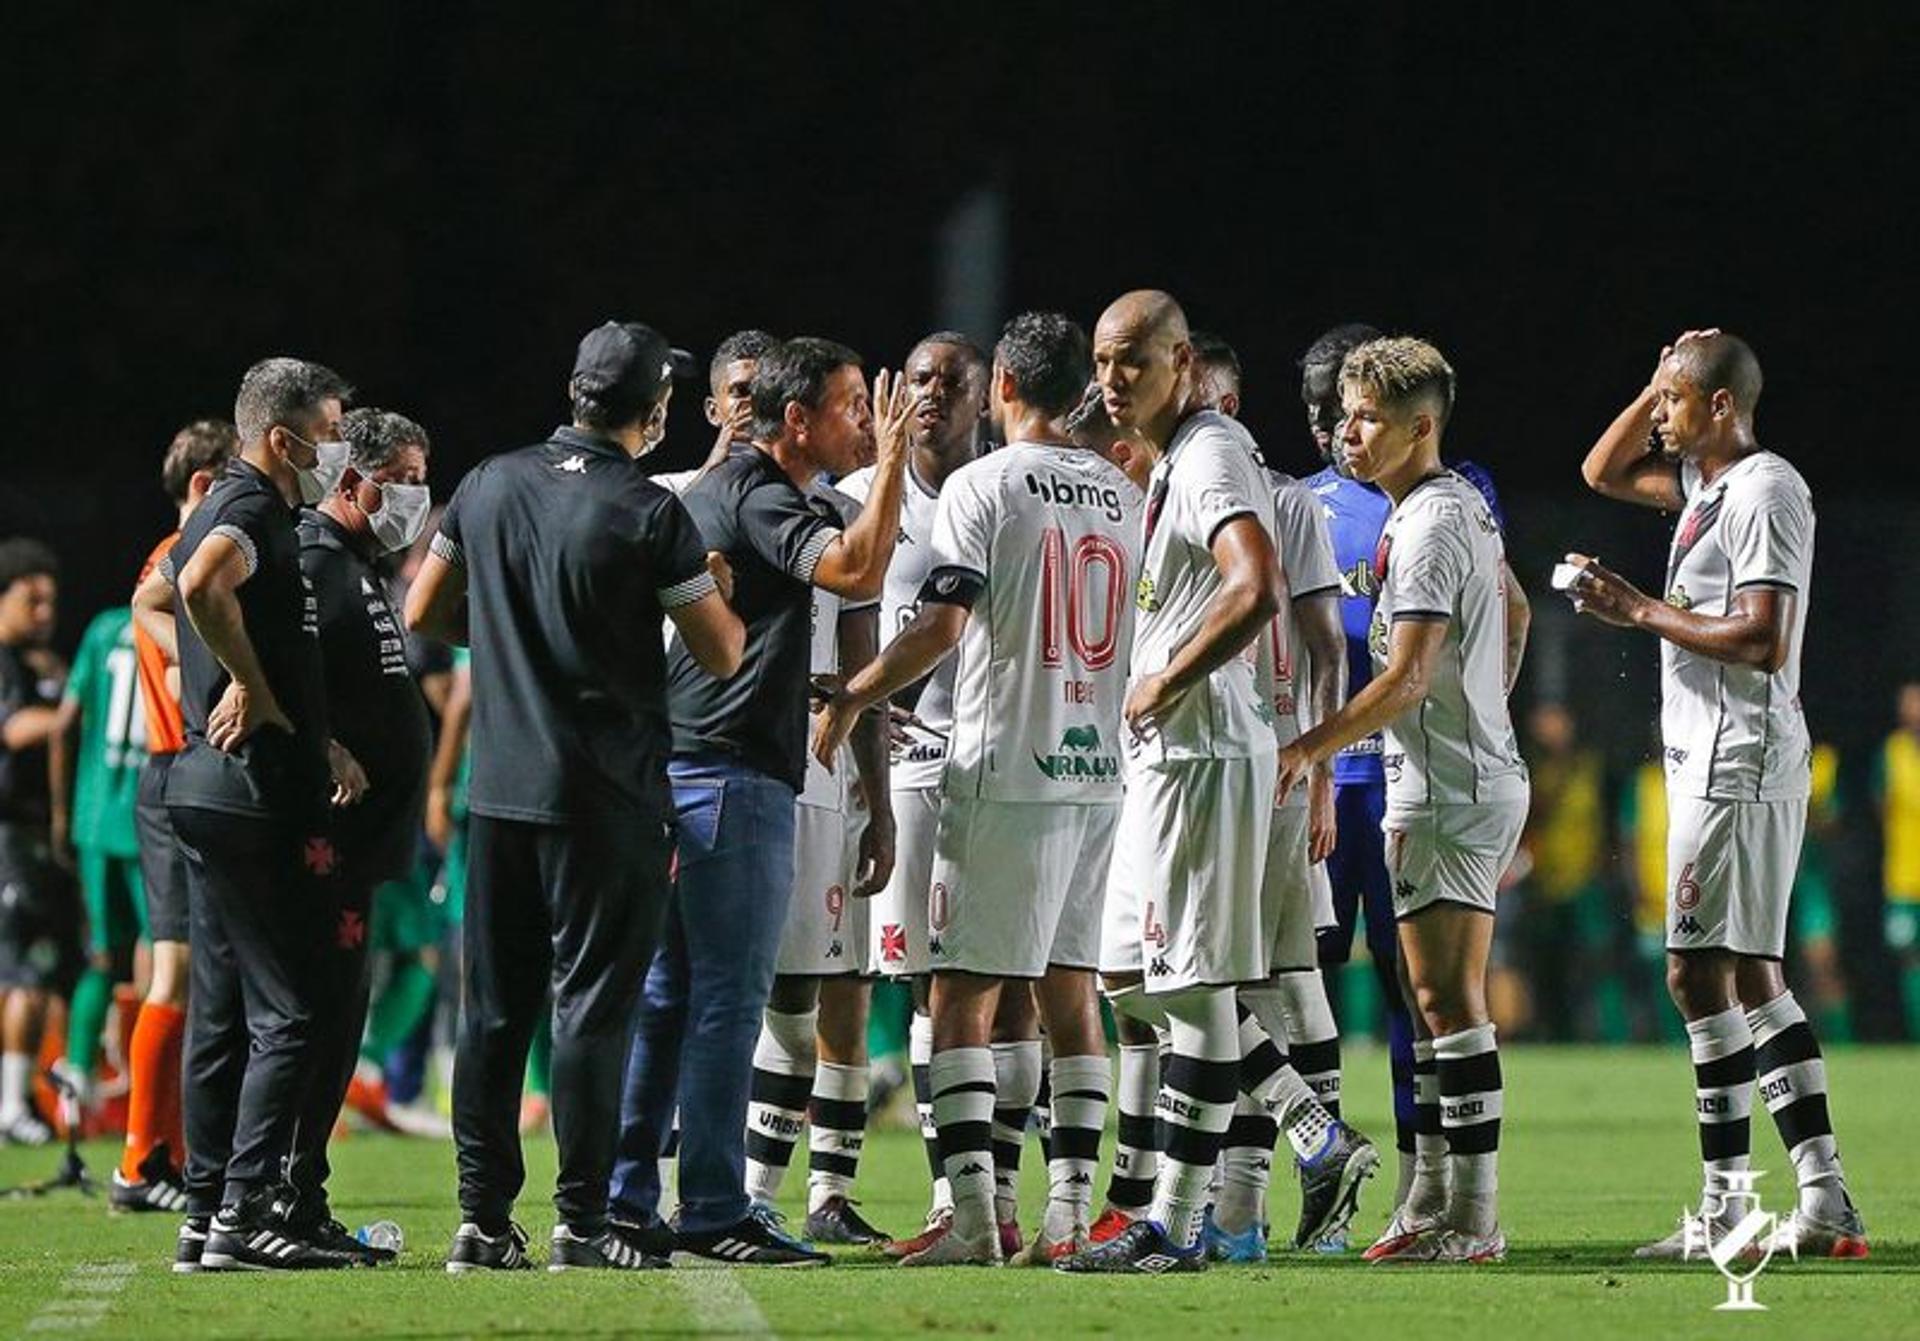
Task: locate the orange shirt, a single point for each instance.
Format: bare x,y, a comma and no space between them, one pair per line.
166,730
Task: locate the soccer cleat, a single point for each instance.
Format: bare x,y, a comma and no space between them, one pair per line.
615,1248
1143,1249
838,1222
1688,1240
1800,1235
1042,1251
190,1244
1110,1225
26,1129
1248,1247
1011,1239
158,1189
474,1250
1402,1230
939,1220
955,1249
246,1236
1330,1184
1447,1247
755,1240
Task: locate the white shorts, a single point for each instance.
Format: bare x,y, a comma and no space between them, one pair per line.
1730,869
1320,884
1450,853
897,915
826,931
1286,893
1017,886
1183,893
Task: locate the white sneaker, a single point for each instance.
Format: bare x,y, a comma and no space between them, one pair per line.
1686,1243
1447,1247
1800,1235
26,1129
953,1249
418,1120
1406,1226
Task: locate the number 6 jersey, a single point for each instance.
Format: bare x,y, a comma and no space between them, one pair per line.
1040,542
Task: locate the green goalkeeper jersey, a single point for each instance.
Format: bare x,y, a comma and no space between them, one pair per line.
113,736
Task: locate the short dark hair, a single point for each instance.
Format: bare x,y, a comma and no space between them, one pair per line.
966,344
205,444
24,557
1721,362
1050,360
794,370
1215,353
1327,353
607,409
748,344
278,389
374,437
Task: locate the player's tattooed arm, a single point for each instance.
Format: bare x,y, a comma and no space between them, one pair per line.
1756,633
1249,596
153,612
921,646
1519,621
1412,648
1627,463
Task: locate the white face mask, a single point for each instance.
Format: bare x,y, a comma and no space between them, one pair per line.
320,479
402,515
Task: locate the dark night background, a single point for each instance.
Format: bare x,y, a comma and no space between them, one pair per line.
438,200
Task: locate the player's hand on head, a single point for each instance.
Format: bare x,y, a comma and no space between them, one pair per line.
349,778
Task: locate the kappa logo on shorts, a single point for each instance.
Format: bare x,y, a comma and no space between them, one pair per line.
1159,968
320,856
1404,890
1687,925
893,943
835,951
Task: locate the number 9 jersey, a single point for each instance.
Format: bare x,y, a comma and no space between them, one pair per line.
1040,541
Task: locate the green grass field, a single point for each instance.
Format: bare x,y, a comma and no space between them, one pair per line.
1599,1155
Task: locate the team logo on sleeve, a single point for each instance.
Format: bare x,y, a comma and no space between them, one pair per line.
1079,758
1145,596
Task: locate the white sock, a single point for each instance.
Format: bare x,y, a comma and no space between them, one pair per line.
1721,1047
1080,1096
1246,1167
1313,1039
963,1111
1201,1081
1471,1103
1792,1077
16,1080
920,1057
1136,1154
839,1117
783,1063
1427,1189
1016,1082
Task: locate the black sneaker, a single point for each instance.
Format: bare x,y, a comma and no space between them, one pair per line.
755,1241
837,1222
1141,1249
615,1248
158,1189
337,1238
476,1251
1330,1184
248,1237
190,1244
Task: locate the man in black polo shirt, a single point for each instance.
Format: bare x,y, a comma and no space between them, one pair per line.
378,714
562,559
739,761
248,799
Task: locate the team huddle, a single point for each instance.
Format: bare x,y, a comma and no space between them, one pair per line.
1110,713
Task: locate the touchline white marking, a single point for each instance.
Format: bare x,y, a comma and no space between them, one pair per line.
721,1304
85,1298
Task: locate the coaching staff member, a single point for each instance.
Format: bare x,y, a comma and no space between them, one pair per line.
377,713
248,799
562,559
739,762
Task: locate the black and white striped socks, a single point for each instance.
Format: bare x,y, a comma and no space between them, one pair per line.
1471,1103
1080,1087
838,1118
1197,1095
783,1067
963,1087
1792,1081
1723,1069
1136,1150
1016,1075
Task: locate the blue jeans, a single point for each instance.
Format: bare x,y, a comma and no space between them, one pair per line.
700,1013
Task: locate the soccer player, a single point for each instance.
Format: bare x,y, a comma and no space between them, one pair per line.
739,761
36,915
1033,549
1302,671
1456,786
93,819
1356,873
249,802
947,374
149,1176
378,714
1738,755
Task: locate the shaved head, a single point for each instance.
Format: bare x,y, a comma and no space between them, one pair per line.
1720,362
1143,360
1146,314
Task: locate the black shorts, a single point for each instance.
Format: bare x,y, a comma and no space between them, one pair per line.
163,866
39,914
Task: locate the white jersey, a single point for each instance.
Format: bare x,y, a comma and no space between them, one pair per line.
919,763
1737,733
1440,558
1043,538
824,790
1305,550
1209,475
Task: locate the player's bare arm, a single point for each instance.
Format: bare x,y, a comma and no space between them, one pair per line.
855,564
859,642
713,633
1755,634
437,602
1250,594
1626,462
1412,648
153,613
1317,616
918,648
1519,621
209,587
447,754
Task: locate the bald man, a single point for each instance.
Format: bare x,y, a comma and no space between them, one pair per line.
1183,917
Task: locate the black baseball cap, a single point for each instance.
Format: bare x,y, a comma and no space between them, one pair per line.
628,362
